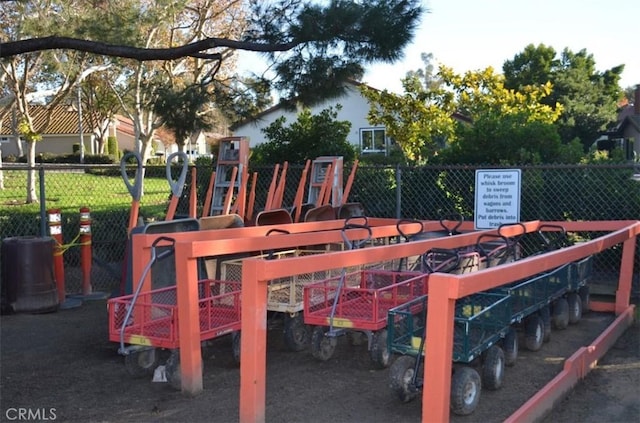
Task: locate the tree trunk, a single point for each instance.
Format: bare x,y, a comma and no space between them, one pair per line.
32,196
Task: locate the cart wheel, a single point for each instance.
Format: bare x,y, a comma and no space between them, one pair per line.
322,347
493,368
465,390
533,332
575,307
141,363
173,372
583,291
402,374
296,333
545,313
379,352
560,313
510,347
235,346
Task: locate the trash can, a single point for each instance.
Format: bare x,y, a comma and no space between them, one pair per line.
28,282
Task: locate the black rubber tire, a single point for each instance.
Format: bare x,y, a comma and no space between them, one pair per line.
575,307
510,347
322,347
493,368
545,313
141,363
533,332
402,378
235,346
173,372
296,333
560,317
583,291
379,353
465,390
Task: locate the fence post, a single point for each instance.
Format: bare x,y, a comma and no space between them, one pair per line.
86,256
55,230
43,210
398,191
85,249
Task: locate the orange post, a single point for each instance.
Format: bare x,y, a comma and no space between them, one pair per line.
55,230
85,249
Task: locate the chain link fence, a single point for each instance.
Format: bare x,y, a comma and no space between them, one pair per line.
550,193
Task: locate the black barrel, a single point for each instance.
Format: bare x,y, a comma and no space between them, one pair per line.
28,280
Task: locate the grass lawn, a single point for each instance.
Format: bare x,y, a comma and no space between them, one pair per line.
69,192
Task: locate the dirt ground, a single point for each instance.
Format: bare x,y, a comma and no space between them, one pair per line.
60,366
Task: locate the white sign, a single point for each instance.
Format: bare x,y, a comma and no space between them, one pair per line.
497,197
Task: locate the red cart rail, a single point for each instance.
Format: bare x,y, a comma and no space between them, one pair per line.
153,320
364,300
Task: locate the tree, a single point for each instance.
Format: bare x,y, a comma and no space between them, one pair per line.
48,71
310,136
507,126
182,111
420,120
589,98
313,47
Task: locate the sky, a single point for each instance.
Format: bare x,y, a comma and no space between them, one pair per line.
474,34
469,35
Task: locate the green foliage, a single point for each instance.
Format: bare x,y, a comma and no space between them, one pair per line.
589,98
420,120
331,41
502,126
27,133
310,136
204,162
182,110
112,147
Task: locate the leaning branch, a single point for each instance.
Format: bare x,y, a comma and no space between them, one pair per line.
195,49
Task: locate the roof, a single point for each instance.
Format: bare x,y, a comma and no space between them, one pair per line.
64,121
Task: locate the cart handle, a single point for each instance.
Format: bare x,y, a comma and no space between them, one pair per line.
134,189
558,242
154,257
177,185
444,267
270,254
407,236
358,243
457,218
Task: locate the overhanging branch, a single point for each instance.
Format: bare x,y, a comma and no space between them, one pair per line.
195,49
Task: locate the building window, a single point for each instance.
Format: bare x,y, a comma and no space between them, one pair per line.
373,140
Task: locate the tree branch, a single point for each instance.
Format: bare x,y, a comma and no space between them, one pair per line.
195,49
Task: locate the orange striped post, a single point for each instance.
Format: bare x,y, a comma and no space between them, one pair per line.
55,231
85,249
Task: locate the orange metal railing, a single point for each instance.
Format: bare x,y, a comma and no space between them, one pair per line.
444,289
